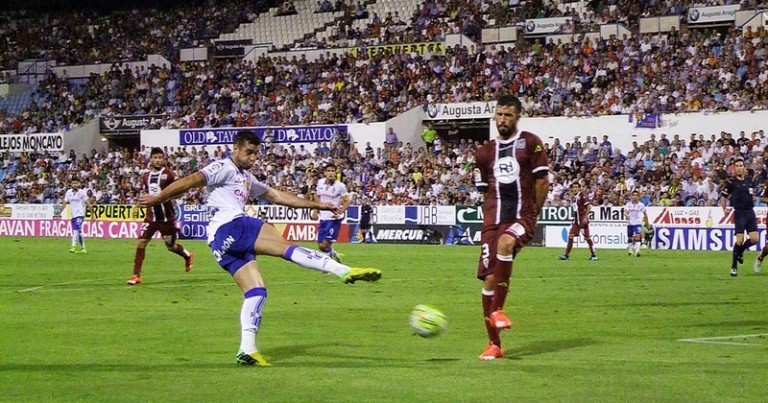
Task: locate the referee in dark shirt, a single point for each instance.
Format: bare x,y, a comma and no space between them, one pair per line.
739,190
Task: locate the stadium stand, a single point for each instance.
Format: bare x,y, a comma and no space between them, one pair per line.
672,72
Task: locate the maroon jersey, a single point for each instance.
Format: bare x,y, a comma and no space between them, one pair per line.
581,209
505,172
154,182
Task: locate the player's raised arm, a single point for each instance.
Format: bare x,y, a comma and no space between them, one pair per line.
91,208
174,190
724,195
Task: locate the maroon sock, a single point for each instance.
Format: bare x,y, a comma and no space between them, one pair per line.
569,247
179,250
493,334
502,272
138,259
591,246
763,253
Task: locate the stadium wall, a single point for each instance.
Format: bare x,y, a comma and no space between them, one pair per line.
407,125
83,138
676,228
85,70
622,130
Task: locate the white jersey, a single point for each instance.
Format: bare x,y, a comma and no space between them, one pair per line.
76,200
332,193
228,189
635,212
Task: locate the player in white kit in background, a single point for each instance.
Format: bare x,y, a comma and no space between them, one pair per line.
330,190
635,215
77,198
236,239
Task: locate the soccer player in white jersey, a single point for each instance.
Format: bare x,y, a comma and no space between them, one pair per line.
330,190
635,215
78,200
236,239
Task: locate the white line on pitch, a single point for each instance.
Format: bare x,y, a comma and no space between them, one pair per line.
714,340
729,343
30,289
42,288
726,337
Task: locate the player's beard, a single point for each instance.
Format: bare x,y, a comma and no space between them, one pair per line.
505,132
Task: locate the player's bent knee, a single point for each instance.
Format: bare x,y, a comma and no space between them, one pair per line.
506,244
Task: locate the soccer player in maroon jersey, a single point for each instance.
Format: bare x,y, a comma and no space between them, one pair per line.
512,173
580,223
763,252
159,218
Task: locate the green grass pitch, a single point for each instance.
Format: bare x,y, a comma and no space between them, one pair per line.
608,331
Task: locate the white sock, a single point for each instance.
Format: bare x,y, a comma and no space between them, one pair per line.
250,318
312,259
81,239
75,236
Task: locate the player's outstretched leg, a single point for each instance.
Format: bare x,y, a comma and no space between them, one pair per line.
315,260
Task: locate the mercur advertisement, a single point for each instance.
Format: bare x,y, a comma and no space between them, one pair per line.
402,234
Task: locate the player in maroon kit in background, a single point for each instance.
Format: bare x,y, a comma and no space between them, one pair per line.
512,173
159,218
763,252
581,208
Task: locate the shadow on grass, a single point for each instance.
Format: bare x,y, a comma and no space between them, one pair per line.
661,304
547,346
281,356
728,323
122,367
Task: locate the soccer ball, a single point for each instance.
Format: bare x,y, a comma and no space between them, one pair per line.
427,321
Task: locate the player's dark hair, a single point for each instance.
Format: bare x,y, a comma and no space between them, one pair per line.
156,150
247,136
636,192
329,165
737,159
509,100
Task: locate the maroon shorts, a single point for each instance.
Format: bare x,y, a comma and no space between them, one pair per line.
168,228
576,229
522,230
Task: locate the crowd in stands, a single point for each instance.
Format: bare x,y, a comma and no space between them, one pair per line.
74,37
692,71
696,71
392,173
667,172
